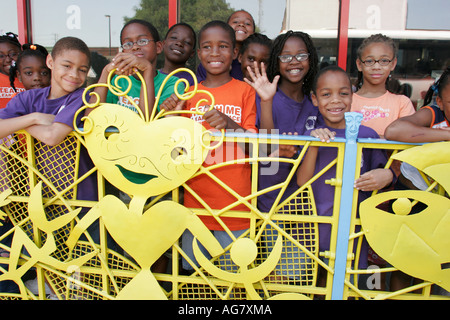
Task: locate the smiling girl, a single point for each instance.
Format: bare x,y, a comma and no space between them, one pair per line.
377,58
10,48
31,68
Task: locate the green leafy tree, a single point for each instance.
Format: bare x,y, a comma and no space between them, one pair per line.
194,12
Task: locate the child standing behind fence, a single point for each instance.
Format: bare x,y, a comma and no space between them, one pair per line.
243,25
141,46
430,123
234,110
284,103
377,57
10,48
179,46
332,94
284,106
48,114
31,68
255,49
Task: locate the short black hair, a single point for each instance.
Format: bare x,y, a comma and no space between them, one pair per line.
258,38
221,24
184,25
71,43
332,68
154,32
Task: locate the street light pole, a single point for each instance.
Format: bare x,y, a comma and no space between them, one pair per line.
109,23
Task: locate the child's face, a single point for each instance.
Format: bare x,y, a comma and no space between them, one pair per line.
242,23
216,51
333,97
443,100
179,44
136,31
376,74
255,53
33,73
69,71
8,54
294,71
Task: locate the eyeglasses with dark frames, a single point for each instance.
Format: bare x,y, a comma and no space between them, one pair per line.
12,55
299,57
141,42
382,62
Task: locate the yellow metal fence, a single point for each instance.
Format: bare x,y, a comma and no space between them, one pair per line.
283,258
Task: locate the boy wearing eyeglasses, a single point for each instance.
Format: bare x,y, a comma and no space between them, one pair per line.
141,45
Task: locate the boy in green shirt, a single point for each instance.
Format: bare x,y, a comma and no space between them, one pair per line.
141,46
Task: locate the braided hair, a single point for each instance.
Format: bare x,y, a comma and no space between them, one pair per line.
273,68
28,50
437,87
375,38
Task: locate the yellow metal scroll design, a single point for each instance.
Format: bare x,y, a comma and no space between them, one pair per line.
415,242
144,156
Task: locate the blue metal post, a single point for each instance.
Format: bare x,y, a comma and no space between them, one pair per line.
353,121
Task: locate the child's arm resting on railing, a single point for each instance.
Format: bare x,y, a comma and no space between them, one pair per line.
11,125
50,134
416,128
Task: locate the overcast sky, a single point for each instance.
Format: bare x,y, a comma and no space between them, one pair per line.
55,19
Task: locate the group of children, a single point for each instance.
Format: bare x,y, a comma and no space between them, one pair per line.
266,85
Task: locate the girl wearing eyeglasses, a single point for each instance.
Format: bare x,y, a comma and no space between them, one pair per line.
284,106
376,59
10,48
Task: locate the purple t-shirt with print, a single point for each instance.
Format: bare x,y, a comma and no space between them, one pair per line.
64,109
324,193
288,116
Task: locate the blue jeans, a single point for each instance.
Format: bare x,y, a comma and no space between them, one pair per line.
224,240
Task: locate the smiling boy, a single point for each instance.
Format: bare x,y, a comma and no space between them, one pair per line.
332,94
234,109
47,113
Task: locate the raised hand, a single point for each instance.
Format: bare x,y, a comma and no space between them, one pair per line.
260,82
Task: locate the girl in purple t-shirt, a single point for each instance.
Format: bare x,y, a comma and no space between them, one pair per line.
284,104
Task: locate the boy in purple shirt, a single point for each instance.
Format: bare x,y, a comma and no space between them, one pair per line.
332,94
47,114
